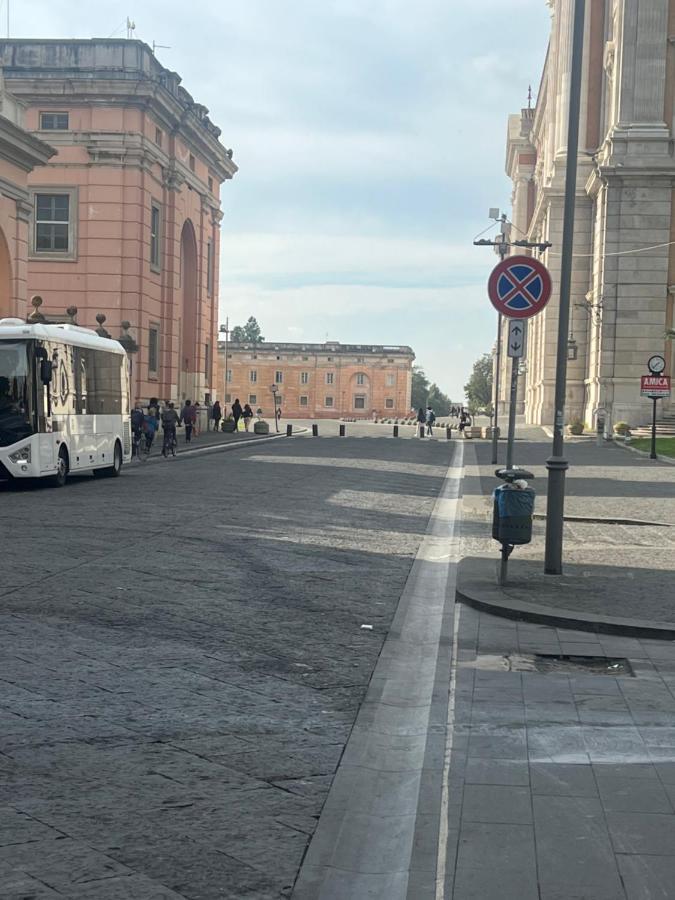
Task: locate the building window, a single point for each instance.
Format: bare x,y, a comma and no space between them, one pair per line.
391,380
359,359
229,375
158,136
360,378
252,398
305,358
153,349
227,398
329,377
253,376
207,361
390,360
209,268
389,403
304,378
303,401
278,377
328,401
155,221
54,121
329,359
279,399
54,228
359,402
210,184
191,162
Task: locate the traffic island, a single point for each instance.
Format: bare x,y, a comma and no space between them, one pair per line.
601,598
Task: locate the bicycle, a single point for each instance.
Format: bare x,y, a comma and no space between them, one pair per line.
170,442
139,447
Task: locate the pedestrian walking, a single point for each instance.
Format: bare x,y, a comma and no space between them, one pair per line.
195,425
430,418
248,415
237,412
216,415
188,416
170,421
463,420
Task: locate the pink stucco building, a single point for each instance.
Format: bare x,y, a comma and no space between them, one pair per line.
20,152
125,217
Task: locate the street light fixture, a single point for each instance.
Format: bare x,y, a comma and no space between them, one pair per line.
275,391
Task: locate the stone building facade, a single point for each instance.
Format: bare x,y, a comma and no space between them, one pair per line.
623,280
125,217
316,381
20,153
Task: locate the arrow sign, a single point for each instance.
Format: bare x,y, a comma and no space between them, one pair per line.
516,341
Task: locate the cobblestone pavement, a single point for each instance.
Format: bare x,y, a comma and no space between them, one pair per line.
182,660
562,783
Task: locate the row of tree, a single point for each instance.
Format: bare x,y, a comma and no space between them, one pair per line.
478,389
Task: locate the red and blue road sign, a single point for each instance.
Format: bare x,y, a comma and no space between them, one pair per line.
519,287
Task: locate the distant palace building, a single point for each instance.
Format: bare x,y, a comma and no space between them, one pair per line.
623,280
124,219
316,381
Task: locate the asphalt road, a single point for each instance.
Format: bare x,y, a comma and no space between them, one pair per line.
182,660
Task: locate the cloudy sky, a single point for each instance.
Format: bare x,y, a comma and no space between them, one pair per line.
370,140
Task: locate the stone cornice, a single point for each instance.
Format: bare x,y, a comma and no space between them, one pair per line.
112,73
21,148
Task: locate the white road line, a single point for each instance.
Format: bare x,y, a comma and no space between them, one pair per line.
441,862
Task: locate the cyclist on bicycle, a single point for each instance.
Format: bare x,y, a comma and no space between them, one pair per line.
170,421
137,422
151,423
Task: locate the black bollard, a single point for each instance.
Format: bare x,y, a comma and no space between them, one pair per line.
421,431
289,430
395,430
315,430
342,430
448,431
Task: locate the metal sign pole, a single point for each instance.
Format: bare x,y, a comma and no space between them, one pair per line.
652,454
556,463
498,366
513,398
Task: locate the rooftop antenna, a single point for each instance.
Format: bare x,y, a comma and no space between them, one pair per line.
529,96
156,47
131,27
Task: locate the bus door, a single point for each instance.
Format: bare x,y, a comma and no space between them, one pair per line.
44,376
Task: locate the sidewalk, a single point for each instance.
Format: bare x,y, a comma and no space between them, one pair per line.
619,541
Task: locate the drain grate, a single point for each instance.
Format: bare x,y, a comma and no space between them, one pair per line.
551,663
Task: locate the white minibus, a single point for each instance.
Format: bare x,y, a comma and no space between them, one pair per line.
64,402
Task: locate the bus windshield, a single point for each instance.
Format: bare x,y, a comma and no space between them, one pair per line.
15,421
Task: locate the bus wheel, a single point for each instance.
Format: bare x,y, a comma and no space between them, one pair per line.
62,467
114,470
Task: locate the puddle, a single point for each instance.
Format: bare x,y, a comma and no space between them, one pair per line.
549,663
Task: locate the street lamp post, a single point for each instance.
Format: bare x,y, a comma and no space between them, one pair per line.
556,463
275,390
225,329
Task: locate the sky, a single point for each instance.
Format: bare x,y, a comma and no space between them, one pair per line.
370,140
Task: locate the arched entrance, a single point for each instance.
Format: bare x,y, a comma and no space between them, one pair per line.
6,300
188,342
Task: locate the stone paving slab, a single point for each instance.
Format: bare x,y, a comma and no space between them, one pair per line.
582,807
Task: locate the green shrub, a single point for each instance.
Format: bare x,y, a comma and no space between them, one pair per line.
621,428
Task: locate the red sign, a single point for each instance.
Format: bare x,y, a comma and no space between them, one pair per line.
655,386
519,287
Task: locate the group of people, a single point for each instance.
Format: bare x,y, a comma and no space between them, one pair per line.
427,417
146,422
238,412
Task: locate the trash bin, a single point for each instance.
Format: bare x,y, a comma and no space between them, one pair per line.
513,508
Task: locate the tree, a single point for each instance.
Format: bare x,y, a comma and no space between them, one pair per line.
438,401
248,333
478,388
420,388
